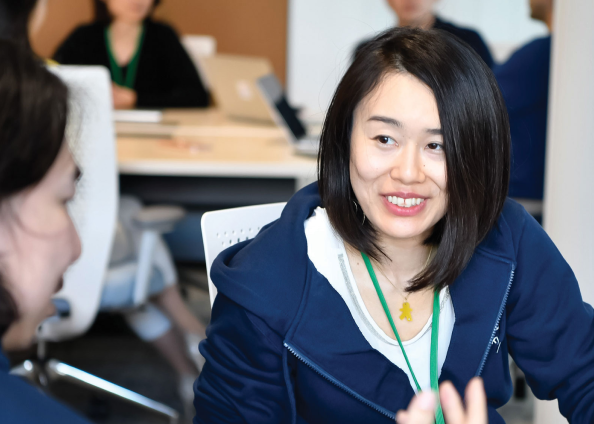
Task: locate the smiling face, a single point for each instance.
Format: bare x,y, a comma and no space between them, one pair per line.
131,11
38,242
398,166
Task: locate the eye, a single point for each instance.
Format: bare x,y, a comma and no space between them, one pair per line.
384,139
435,146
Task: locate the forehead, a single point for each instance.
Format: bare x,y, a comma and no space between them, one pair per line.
401,96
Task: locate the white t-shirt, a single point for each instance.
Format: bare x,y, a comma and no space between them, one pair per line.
327,252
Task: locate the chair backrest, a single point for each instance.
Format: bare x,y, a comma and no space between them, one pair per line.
199,46
91,137
222,229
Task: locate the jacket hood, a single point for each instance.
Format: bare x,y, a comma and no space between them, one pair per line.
270,269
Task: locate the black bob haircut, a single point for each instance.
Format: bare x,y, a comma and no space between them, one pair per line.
33,114
102,13
476,137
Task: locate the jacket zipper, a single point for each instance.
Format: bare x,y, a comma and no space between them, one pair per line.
337,383
501,309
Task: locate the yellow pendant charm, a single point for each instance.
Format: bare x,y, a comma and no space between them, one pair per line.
406,311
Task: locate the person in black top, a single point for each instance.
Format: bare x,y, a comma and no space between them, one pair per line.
149,66
420,14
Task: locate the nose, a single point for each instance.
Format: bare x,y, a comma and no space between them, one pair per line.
408,165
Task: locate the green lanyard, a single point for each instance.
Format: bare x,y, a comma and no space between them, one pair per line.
116,70
434,336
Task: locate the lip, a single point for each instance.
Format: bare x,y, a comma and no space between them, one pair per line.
404,195
402,211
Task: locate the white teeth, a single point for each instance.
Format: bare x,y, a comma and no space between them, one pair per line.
406,203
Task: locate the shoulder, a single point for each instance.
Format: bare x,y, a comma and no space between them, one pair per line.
23,404
466,34
161,29
267,275
505,237
88,31
534,56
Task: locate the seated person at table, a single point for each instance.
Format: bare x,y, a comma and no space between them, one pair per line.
149,66
38,240
420,14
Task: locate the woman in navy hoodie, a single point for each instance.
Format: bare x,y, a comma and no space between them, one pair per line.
38,241
403,267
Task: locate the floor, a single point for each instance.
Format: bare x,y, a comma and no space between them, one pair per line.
111,351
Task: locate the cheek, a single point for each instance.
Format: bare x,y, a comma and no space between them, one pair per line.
367,164
435,169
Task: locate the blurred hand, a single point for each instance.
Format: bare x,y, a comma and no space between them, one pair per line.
422,408
123,98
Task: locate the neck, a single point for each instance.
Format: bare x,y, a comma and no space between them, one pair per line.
407,257
120,28
425,22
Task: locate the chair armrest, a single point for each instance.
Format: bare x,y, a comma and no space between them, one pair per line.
160,219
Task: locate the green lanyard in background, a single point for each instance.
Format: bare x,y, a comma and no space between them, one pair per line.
116,70
434,337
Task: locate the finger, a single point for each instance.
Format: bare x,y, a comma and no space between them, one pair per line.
422,409
402,417
476,401
451,404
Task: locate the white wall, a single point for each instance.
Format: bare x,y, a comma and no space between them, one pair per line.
323,34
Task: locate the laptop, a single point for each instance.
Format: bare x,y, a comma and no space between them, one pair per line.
232,80
286,118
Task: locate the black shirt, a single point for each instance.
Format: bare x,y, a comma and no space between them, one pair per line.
469,36
166,76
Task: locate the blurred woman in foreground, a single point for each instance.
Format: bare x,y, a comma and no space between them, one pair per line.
38,241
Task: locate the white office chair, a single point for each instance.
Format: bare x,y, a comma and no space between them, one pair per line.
199,46
91,137
224,228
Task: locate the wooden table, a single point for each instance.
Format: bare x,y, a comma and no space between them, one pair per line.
203,143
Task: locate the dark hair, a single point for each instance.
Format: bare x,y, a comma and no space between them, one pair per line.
476,136
33,113
102,13
14,21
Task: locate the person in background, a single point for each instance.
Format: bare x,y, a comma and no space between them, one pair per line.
165,322
524,82
38,240
420,14
149,66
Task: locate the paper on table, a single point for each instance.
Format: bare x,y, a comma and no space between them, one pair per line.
143,116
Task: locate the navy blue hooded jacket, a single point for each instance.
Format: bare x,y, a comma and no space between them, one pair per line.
21,403
282,346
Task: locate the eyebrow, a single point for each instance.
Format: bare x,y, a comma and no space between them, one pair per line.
396,123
